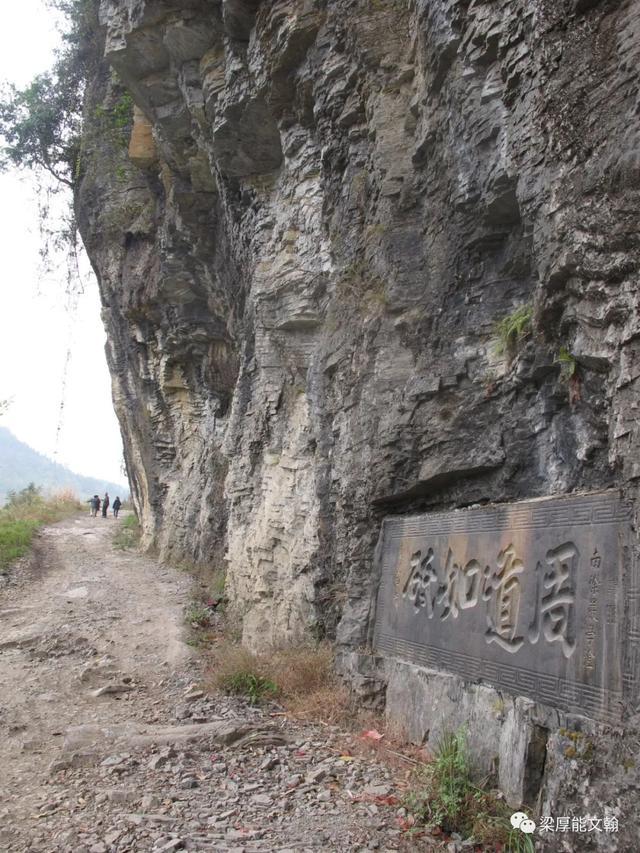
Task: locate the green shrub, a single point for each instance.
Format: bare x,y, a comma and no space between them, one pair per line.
116,120
513,329
252,686
24,513
128,536
198,615
568,363
445,797
445,784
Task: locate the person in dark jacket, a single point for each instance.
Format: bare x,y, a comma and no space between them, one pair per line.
98,504
105,504
116,506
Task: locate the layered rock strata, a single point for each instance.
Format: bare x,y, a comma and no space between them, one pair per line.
324,210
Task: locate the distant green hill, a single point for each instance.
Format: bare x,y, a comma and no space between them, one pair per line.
21,465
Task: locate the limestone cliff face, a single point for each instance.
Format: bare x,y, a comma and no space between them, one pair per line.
324,209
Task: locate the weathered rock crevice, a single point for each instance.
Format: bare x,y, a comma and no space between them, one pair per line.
325,208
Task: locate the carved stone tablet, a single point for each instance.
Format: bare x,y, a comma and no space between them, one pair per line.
539,598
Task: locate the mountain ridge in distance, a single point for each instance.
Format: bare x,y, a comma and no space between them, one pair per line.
21,465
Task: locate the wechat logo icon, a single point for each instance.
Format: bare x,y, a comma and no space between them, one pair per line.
521,821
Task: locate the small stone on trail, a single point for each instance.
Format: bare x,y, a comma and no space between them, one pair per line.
193,694
270,762
157,761
111,689
149,801
120,796
378,790
315,775
113,760
261,799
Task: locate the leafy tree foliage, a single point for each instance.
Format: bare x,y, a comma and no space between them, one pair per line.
41,124
28,495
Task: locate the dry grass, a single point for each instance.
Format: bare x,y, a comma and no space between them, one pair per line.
309,686
240,673
209,581
302,678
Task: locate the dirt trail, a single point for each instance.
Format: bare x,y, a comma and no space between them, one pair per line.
109,745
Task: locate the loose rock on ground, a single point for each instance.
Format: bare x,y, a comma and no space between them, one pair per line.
113,746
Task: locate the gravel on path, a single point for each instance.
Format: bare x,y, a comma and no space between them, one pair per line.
110,745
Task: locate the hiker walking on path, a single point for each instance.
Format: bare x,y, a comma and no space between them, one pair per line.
98,504
116,506
105,504
94,503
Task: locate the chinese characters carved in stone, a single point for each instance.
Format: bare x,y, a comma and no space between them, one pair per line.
444,592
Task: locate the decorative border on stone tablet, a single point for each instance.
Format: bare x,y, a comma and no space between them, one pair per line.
572,696
597,509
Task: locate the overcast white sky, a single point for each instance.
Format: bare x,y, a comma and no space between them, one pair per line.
37,329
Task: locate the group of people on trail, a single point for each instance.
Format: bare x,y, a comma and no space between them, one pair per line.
95,503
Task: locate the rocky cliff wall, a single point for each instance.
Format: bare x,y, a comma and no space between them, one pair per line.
324,209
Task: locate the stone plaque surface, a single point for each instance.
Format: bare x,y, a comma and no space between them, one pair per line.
539,598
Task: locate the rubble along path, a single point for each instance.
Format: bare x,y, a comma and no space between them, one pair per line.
108,744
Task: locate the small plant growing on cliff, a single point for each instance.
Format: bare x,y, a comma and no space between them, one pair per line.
570,373
116,120
518,842
568,363
513,329
218,583
445,797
